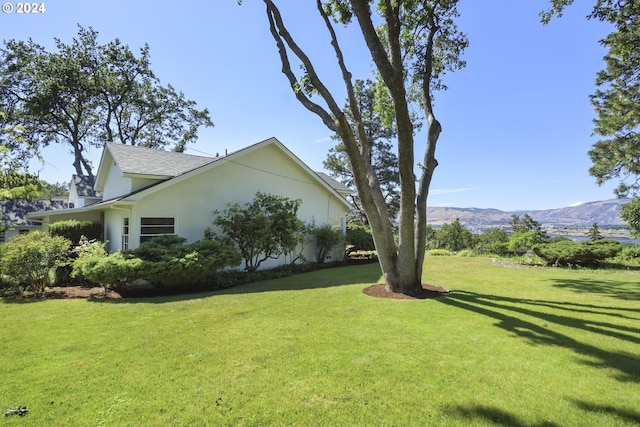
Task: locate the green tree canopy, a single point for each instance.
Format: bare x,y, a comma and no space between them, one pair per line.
383,159
85,93
412,44
630,212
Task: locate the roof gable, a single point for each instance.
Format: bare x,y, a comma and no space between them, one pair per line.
137,160
232,157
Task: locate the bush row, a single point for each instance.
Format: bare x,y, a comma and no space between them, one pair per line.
161,261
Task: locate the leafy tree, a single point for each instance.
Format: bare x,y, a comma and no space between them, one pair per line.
413,46
526,223
85,93
383,159
630,212
50,191
267,227
454,237
523,241
15,180
594,232
493,241
617,97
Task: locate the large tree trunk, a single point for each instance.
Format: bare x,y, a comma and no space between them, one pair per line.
401,262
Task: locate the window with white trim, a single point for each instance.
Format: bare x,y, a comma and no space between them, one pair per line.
125,233
152,227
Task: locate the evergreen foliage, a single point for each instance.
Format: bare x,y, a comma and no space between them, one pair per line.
570,253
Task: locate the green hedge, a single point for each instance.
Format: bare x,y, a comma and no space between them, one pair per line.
163,260
359,238
571,253
73,230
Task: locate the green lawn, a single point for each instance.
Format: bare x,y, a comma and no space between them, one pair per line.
508,346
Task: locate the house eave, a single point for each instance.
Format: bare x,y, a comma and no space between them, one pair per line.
39,216
146,176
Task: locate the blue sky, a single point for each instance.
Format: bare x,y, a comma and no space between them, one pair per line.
517,121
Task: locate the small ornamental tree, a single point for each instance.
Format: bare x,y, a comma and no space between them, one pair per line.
29,258
265,228
325,238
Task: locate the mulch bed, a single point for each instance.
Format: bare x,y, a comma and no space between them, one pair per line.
427,292
97,292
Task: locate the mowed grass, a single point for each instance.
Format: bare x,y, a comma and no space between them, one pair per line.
508,346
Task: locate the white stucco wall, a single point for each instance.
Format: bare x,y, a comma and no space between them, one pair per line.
192,201
115,184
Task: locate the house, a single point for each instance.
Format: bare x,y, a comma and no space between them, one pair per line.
147,192
13,215
82,192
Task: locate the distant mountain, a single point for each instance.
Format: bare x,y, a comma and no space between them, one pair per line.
604,213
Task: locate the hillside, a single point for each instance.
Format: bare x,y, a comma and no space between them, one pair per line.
605,213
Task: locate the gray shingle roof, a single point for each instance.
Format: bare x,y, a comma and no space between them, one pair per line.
84,186
333,183
145,161
13,212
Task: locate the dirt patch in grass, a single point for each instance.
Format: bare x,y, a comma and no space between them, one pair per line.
427,292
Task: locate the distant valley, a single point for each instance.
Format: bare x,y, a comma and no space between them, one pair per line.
605,213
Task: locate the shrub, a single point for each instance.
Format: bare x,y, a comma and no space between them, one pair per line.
163,260
87,253
325,238
439,252
630,252
568,252
29,258
73,230
466,253
359,238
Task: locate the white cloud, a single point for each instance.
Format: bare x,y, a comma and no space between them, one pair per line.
439,191
323,140
574,204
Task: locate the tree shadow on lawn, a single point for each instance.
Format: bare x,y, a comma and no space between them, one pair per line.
324,278
623,414
510,313
493,415
614,289
487,414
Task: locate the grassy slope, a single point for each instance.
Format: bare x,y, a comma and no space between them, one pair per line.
509,346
